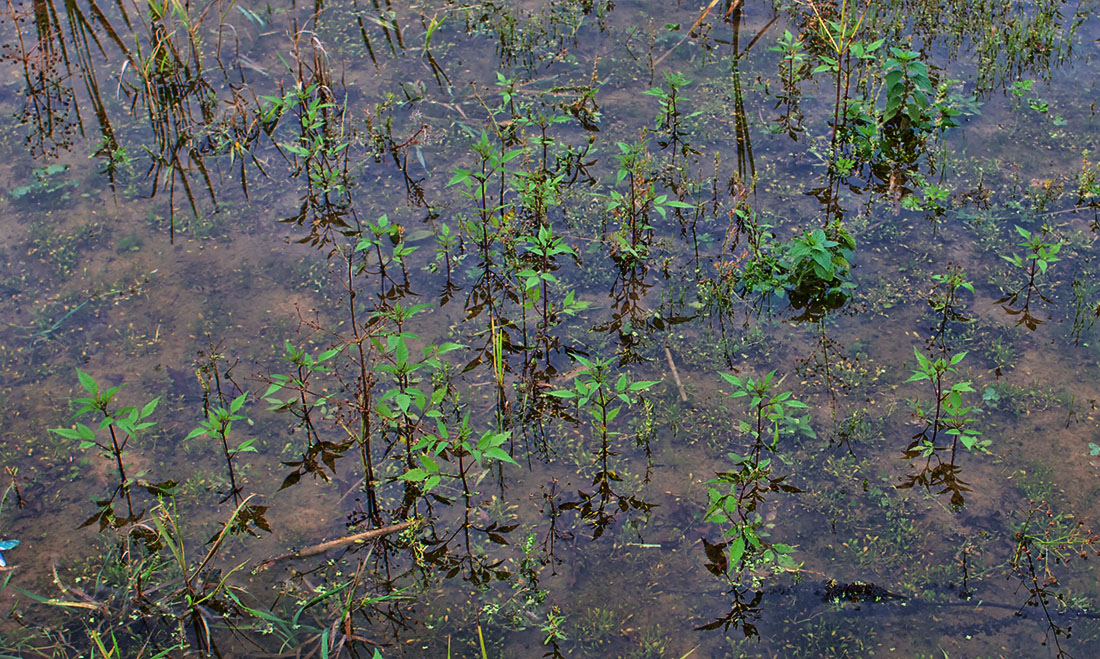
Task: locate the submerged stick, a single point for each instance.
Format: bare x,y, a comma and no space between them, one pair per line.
676,375
321,548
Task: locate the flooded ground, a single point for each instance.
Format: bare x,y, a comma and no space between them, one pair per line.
619,328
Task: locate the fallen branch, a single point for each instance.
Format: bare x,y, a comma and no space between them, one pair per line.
321,548
676,375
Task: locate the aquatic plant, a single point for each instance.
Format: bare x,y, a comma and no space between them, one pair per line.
817,264
122,424
946,415
944,300
600,400
794,67
670,118
734,495
426,346
217,426
1040,253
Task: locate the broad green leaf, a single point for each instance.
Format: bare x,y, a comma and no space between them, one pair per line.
88,382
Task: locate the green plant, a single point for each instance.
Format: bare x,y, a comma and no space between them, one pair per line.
319,152
1022,89
1086,308
945,301
916,110
1040,253
633,209
432,448
601,400
793,69
839,38
217,426
446,241
946,415
1088,184
819,264
1044,540
540,256
733,496
300,394
122,425
45,184
1002,353
950,415
813,268
670,119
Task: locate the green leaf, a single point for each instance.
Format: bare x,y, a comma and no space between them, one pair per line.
737,550
732,379
88,382
401,351
81,432
893,78
329,354
416,474
237,403
149,407
499,454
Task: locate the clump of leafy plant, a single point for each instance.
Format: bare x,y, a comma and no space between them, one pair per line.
813,268
633,209
818,264
915,108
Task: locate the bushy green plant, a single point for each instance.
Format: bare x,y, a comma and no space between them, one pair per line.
813,268
948,415
818,264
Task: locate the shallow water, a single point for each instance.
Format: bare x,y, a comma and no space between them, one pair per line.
148,178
